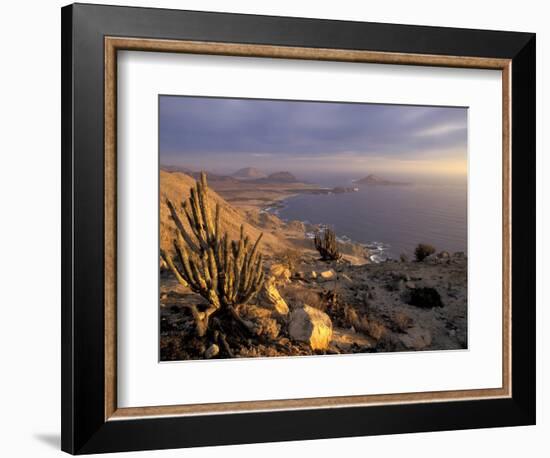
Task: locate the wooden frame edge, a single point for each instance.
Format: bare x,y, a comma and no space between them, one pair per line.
112,45
110,90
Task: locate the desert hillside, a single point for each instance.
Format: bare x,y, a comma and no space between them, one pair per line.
176,185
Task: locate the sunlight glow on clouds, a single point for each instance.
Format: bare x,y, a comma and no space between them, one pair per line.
223,135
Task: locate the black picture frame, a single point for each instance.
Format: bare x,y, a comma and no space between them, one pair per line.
84,428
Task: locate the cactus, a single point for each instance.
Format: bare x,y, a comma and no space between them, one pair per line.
325,243
228,274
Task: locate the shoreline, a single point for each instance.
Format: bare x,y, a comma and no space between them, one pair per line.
377,250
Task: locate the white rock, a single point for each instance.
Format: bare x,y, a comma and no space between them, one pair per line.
311,326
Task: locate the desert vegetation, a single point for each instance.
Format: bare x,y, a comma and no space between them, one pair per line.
228,274
423,250
325,244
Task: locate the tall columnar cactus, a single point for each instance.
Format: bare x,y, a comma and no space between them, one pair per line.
325,243
226,273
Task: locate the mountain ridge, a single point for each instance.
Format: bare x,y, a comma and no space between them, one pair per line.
373,179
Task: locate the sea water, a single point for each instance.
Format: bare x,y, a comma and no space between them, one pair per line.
389,219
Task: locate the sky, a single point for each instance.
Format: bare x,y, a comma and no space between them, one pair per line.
224,134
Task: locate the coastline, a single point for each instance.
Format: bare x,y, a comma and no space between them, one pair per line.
377,250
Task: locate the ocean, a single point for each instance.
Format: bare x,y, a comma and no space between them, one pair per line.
389,219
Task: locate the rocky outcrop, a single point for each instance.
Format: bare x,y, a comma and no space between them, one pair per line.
270,296
296,226
376,180
312,326
262,318
279,273
212,351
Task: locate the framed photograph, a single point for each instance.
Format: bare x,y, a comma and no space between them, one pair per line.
281,228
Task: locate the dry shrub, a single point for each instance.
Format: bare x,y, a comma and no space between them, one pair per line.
377,330
402,321
352,318
370,326
423,250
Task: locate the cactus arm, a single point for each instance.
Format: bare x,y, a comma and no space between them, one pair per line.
170,263
217,223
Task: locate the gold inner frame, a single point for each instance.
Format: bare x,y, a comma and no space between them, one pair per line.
114,44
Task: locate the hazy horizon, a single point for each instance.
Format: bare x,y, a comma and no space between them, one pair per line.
314,140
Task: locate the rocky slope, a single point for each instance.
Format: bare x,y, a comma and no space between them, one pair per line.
317,307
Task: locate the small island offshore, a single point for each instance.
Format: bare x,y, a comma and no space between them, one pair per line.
298,260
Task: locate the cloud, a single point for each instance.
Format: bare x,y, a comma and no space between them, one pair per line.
267,132
439,130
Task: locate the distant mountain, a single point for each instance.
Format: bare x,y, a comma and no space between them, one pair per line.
376,180
281,177
176,168
249,173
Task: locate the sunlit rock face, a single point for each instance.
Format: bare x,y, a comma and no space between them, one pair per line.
270,296
311,326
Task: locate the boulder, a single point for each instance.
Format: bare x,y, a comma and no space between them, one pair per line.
416,339
431,259
262,319
212,351
312,275
311,326
271,296
327,275
280,273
